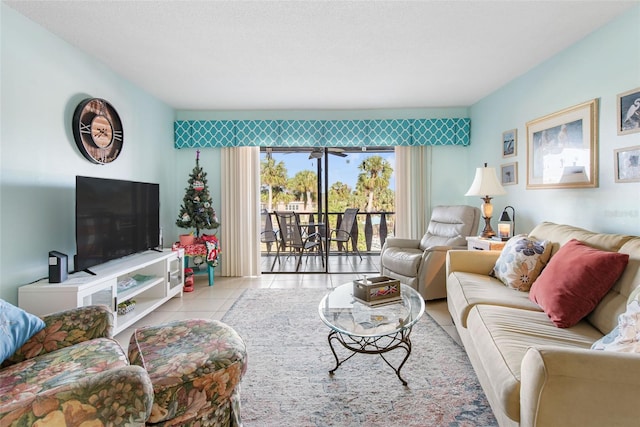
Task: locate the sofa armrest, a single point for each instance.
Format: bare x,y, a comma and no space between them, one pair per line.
66,328
566,386
119,396
479,262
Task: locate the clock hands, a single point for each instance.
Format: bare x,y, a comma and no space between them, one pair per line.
101,132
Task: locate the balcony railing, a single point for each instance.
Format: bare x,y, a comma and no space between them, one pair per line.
369,232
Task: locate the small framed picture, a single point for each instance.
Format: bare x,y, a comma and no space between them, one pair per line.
509,173
629,112
627,164
510,143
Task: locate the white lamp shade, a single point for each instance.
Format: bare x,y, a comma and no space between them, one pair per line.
486,183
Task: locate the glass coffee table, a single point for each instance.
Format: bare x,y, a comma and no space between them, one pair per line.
366,329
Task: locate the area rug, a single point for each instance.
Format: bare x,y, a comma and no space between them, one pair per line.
287,382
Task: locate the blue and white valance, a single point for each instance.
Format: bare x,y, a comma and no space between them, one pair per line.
320,133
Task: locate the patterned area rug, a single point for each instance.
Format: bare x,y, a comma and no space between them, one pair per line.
288,384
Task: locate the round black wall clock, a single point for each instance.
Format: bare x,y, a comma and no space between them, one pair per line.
97,130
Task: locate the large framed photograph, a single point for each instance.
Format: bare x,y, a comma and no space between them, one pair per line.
627,164
509,173
629,112
562,148
510,143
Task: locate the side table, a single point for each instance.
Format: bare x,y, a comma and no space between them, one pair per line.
481,244
198,249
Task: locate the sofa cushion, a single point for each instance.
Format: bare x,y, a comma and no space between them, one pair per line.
52,373
521,261
575,280
502,335
614,303
561,234
465,290
16,327
625,337
405,261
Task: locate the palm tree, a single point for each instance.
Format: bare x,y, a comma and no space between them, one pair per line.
375,176
272,175
306,184
339,197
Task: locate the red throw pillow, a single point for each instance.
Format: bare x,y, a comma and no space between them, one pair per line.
575,280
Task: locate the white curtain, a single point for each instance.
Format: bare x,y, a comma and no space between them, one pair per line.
240,213
413,191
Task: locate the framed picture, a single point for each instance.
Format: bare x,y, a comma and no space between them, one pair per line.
510,143
509,173
627,164
562,148
629,112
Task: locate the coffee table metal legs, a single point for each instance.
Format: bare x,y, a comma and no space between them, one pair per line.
372,345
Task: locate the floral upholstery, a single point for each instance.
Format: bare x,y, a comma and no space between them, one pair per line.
195,367
73,373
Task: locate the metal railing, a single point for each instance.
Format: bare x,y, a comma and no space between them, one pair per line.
375,227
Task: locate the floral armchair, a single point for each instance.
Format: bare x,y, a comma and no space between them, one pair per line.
73,373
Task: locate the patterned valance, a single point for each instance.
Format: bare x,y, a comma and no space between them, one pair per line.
320,133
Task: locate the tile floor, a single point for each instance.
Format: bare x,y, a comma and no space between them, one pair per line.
337,263
212,302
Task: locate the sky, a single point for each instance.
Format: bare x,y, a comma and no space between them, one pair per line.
343,169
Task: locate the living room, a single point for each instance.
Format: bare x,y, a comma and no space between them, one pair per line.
45,77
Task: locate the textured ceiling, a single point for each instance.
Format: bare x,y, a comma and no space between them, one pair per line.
282,55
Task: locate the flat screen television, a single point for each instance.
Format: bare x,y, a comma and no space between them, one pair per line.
114,218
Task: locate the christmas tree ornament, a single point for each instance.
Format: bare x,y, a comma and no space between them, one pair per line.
198,185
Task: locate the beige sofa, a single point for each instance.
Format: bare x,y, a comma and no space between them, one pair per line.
534,373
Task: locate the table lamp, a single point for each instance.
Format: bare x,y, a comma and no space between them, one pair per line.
486,184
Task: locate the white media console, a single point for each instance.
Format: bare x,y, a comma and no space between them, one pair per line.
150,278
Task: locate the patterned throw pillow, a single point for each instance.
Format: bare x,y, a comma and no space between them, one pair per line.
521,261
625,337
16,327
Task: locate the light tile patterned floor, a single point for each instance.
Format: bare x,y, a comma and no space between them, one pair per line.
212,302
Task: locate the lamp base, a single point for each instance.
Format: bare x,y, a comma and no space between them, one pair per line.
488,232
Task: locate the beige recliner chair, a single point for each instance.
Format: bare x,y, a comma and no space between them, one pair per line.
421,263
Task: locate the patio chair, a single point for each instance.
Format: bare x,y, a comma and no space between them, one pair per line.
268,235
343,234
291,237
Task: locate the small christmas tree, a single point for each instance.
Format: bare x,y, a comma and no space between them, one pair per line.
197,210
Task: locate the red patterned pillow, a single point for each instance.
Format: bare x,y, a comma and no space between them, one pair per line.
575,280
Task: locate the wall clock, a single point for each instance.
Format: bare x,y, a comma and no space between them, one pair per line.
97,130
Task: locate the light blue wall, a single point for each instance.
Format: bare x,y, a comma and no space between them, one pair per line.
604,64
43,79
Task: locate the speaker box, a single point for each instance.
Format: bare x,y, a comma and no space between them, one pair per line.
57,267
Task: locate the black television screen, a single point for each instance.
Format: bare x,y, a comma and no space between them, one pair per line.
114,218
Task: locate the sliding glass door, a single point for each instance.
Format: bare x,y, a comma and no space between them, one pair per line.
319,184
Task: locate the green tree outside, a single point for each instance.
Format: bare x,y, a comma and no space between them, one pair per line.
304,184
272,176
374,178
